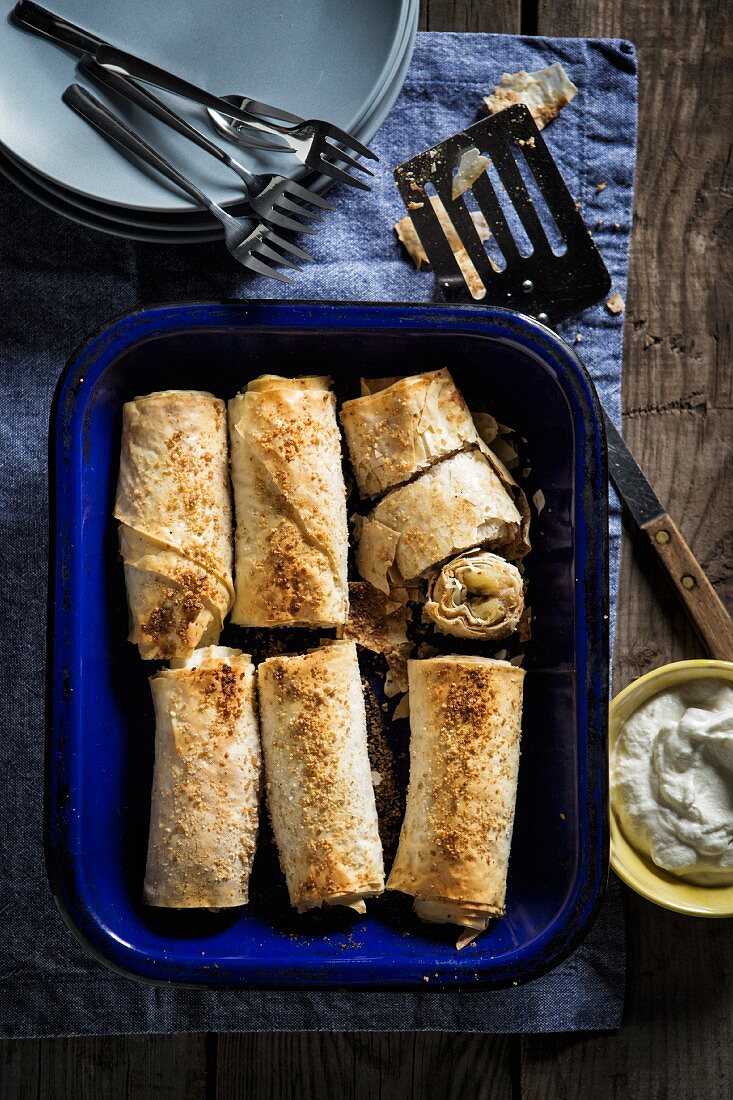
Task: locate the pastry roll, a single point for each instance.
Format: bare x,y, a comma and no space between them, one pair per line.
465,719
291,540
464,501
205,802
477,595
395,432
319,784
174,512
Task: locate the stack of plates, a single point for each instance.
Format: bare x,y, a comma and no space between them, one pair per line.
341,60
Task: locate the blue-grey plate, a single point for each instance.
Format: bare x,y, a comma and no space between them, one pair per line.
194,225
100,731
326,59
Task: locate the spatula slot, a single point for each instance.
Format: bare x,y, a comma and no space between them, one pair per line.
497,259
512,216
552,230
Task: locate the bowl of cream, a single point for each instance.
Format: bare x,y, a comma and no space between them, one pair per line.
671,786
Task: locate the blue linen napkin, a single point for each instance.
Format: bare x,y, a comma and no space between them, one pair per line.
58,282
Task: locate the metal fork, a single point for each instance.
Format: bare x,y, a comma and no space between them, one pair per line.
32,17
249,242
267,195
310,140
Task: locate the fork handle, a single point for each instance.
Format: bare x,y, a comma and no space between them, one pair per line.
130,90
119,133
152,74
35,18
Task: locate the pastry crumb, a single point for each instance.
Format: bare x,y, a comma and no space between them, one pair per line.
615,303
544,92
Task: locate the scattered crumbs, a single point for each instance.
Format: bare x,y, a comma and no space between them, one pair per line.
388,794
426,977
599,223
615,303
376,777
530,142
415,205
562,817
578,338
577,206
385,707
539,500
617,227
515,983
601,187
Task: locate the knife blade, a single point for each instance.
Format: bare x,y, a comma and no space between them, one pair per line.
698,597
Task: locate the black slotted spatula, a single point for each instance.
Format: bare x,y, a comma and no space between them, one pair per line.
546,262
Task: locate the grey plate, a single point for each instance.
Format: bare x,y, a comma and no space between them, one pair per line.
192,226
327,59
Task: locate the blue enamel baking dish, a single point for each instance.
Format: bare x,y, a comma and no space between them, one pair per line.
100,727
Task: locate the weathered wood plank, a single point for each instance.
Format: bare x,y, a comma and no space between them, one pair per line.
363,1066
19,1062
137,1067
677,377
677,1036
498,17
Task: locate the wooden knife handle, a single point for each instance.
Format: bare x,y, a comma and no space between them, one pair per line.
699,598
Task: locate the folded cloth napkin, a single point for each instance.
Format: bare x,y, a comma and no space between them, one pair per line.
59,282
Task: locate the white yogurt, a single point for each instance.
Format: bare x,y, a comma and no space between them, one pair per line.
672,780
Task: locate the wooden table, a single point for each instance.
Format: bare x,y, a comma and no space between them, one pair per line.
676,1042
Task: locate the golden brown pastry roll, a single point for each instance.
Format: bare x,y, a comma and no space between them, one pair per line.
318,777
464,501
174,511
206,782
476,595
291,540
465,728
395,432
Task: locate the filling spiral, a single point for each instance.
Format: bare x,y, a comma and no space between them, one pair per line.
476,595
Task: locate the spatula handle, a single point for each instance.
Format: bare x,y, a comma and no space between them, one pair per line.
699,598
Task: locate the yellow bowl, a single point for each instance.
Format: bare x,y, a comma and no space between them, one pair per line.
636,869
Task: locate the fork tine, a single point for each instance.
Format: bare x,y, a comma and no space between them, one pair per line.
276,218
253,264
303,193
270,254
349,140
291,224
339,154
288,246
335,173
284,203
